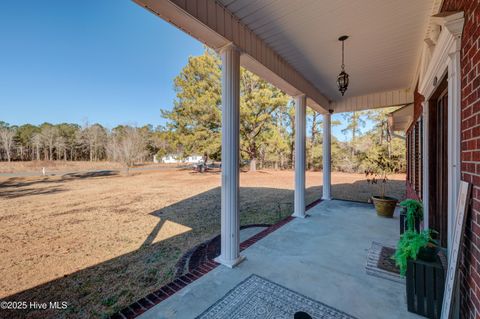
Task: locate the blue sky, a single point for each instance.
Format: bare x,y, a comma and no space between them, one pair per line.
107,61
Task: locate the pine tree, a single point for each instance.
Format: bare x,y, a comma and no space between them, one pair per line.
196,116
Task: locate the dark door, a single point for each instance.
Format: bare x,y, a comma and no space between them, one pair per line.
438,154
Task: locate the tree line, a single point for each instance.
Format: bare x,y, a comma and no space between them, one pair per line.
72,142
267,117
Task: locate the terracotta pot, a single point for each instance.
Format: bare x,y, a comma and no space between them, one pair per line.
385,206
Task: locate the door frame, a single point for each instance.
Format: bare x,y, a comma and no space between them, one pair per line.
445,60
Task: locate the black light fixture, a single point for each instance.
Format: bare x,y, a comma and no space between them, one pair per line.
342,80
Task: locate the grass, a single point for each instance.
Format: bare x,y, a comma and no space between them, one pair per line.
102,242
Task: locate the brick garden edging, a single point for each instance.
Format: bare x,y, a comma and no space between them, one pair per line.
156,297
201,253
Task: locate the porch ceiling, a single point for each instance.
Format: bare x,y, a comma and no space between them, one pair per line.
294,43
381,54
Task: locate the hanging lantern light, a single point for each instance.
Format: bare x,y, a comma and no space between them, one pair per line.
342,80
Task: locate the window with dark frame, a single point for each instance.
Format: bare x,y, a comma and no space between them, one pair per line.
414,145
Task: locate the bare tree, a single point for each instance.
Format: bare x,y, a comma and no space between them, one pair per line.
6,137
61,148
37,144
92,140
49,135
80,144
127,145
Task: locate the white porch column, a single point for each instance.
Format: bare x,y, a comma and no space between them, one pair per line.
327,149
300,133
230,217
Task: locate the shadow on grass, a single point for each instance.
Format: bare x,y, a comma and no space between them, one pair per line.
111,285
207,172
18,182
19,187
90,174
362,191
10,194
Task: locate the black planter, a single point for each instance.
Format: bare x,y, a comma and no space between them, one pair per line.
427,254
425,286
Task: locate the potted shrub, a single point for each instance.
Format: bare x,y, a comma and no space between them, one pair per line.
413,245
381,166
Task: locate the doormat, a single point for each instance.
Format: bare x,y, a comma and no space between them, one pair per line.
386,262
257,297
380,264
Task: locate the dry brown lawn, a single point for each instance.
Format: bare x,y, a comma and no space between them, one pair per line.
53,166
102,241
66,166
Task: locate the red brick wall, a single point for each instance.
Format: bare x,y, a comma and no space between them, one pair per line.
470,151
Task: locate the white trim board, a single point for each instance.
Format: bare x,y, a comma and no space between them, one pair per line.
426,159
454,258
372,101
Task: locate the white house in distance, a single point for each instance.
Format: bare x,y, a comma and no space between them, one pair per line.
173,159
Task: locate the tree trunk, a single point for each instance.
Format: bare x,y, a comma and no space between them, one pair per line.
292,154
353,143
253,165
262,159
314,138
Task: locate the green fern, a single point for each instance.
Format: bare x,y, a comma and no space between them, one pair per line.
409,245
414,212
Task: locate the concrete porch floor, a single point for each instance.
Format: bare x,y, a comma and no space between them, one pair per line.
322,257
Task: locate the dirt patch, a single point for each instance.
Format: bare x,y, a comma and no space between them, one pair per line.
101,242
